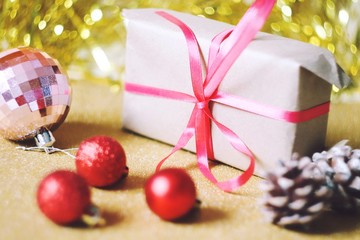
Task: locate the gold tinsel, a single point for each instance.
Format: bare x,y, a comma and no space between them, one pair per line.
88,37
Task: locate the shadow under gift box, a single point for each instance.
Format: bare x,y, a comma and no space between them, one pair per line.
272,70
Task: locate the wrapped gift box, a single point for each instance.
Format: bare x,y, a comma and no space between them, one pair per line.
273,70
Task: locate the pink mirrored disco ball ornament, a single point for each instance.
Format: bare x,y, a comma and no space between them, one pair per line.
35,95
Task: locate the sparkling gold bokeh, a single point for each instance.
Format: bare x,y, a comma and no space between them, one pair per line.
88,36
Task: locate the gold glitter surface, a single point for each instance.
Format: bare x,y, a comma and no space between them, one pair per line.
88,36
96,111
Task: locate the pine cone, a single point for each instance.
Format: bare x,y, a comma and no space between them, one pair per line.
341,165
296,192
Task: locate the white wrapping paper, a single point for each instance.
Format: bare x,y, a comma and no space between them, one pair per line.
276,71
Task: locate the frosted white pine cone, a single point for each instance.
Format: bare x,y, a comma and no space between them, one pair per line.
341,166
296,192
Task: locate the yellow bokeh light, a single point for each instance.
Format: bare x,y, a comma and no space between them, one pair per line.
317,19
353,48
330,4
13,14
68,3
286,10
209,10
294,27
88,20
354,70
73,34
308,30
58,29
37,7
37,19
96,15
328,28
320,31
13,32
85,34
224,10
331,47
275,27
339,31
42,25
315,41
27,39
343,16
196,10
59,2
47,17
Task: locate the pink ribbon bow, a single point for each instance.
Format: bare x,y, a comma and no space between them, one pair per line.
224,50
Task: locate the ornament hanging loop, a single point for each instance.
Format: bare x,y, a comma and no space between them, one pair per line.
48,150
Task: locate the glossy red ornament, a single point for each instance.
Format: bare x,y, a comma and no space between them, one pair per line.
170,193
101,160
63,196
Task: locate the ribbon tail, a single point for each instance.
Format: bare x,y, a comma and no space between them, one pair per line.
236,42
210,148
194,54
234,183
215,47
185,137
201,132
201,137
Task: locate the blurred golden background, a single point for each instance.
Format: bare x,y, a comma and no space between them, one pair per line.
88,37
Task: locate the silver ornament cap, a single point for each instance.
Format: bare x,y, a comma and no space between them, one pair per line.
44,138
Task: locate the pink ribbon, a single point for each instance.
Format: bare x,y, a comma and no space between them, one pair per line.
224,50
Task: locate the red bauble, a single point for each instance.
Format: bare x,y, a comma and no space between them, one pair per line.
170,193
63,196
101,160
